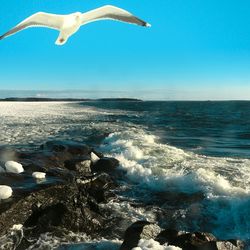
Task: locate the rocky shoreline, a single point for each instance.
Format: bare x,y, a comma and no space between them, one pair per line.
78,180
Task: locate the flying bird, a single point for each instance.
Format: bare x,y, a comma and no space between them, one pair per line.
69,24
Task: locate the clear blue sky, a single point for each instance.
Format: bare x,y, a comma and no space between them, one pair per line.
194,50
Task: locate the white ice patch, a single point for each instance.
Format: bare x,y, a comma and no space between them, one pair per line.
153,245
14,167
39,175
17,227
36,122
5,192
94,157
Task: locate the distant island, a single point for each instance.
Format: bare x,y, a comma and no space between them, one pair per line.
39,99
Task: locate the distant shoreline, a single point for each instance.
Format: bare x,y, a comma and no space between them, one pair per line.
40,99
37,99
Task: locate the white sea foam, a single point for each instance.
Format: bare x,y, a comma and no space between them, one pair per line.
160,167
74,241
153,245
126,211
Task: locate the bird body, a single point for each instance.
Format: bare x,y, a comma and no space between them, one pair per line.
69,24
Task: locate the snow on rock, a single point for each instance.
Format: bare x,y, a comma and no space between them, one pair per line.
13,167
39,175
17,227
5,192
94,157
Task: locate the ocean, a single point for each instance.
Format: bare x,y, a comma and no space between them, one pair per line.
185,165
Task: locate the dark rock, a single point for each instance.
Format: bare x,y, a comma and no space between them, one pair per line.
190,240
80,165
105,164
74,148
99,154
139,230
63,206
196,241
221,245
230,245
99,187
61,174
32,167
167,236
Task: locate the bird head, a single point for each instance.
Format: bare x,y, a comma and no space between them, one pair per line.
77,15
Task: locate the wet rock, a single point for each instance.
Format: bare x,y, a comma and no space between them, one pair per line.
231,244
196,241
61,174
94,158
63,206
74,148
221,245
139,230
33,167
105,164
80,165
99,154
167,236
99,186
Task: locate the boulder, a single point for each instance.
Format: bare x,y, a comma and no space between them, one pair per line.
105,164
139,230
222,245
65,206
74,148
98,186
80,165
196,241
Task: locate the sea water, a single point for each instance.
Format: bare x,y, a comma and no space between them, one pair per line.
185,165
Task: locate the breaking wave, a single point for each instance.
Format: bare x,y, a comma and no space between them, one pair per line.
222,183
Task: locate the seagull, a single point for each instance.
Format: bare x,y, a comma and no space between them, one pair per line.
69,24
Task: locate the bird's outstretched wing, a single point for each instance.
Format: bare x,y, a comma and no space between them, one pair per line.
39,19
113,13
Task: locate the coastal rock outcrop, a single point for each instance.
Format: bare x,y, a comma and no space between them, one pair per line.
105,164
72,197
137,231
66,200
143,230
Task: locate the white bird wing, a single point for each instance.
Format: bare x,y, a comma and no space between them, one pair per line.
113,13
40,19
